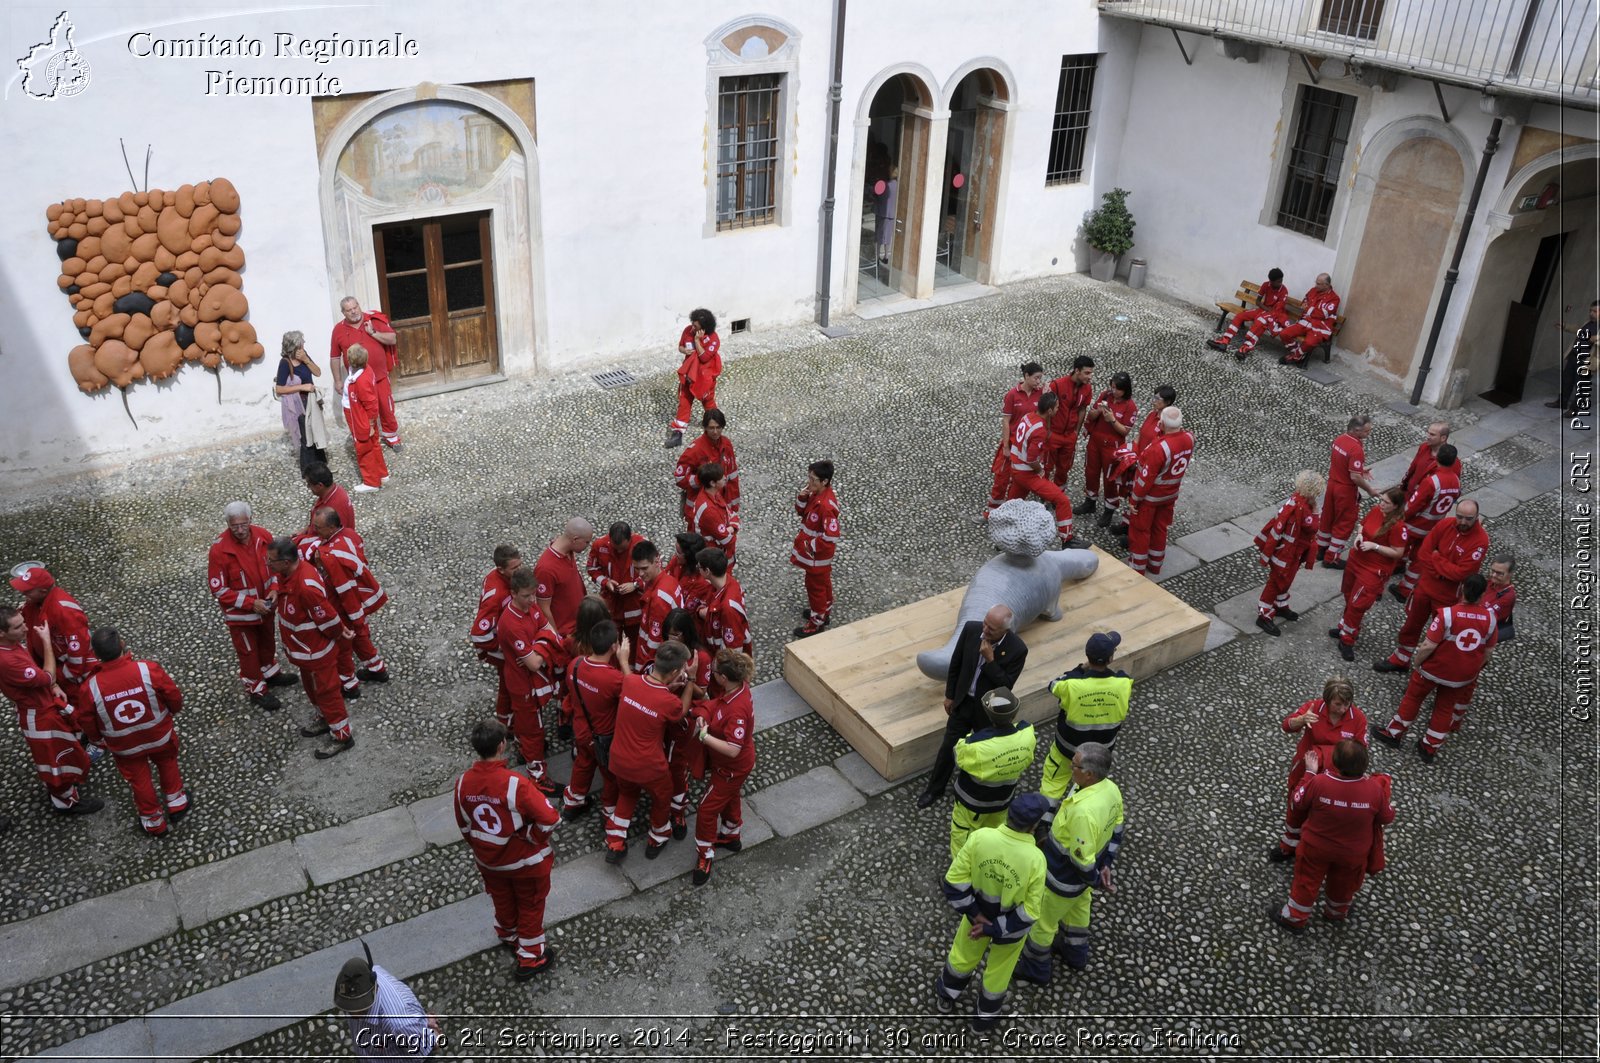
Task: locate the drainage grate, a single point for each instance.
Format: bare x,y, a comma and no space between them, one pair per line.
614,378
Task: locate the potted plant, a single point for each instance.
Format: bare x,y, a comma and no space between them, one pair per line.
1108,230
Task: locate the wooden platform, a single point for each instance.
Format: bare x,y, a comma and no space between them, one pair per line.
862,678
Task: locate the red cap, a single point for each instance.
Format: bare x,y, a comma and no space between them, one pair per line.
31,579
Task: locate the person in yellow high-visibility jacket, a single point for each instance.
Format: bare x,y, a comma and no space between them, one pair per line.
1094,704
1082,843
988,764
997,883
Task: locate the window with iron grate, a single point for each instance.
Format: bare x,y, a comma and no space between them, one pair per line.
1069,135
1316,158
748,143
1351,18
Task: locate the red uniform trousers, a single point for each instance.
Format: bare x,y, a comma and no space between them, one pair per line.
1361,589
369,457
1099,459
1024,483
152,807
519,898
819,592
1309,339
686,398
1341,508
1002,476
1343,874
688,758
320,680
387,423
1420,607
257,649
358,649
528,729
721,814
1275,595
660,791
1254,322
58,756
1408,565
1058,461
1147,536
584,766
1450,706
502,696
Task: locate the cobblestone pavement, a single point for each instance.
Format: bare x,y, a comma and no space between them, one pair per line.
1481,930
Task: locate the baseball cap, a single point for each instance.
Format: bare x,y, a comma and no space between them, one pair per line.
1102,644
30,576
356,986
1028,809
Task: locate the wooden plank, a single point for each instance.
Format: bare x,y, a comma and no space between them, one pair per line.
863,679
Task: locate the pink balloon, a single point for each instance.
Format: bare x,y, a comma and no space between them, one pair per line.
879,188
958,180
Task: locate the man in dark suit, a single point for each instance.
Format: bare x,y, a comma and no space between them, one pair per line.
988,655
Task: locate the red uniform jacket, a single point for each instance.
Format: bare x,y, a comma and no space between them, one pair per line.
355,589
523,633
1028,437
1423,462
1322,310
360,402
1064,423
1446,557
644,710
1502,600
1161,468
25,683
505,819
337,499
69,634
381,357
58,759
1336,815
308,621
562,584
1018,402
700,369
496,593
660,597
1322,736
129,706
1122,412
1288,539
1464,633
1274,299
1149,431
611,567
726,619
695,588
1369,565
819,530
597,687
1349,459
730,717
711,518
686,474
1432,498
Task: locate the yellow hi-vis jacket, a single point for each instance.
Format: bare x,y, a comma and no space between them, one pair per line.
1084,838
989,763
1093,706
999,874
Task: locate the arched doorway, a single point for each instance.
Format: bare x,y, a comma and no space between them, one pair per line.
970,185
893,191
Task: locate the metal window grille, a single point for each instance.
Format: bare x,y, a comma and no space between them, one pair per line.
1312,178
747,150
1069,136
1351,18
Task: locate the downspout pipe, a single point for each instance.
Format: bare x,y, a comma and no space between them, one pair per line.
1489,147
835,96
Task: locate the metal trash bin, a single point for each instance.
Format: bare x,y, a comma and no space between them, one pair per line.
1136,273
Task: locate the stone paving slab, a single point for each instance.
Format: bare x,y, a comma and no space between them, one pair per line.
126,1042
861,775
679,856
1255,520
82,933
209,892
775,703
583,885
435,819
1390,469
805,801
1524,484
1217,541
444,935
1493,503
1479,437
1322,374
1547,431
359,845
1177,562
1220,633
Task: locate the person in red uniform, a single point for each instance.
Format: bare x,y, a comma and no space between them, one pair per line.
595,676
341,557
1321,724
693,586
610,565
713,445
484,636
1024,398
1269,313
1156,484
44,601
310,629
727,624
1109,420
1501,596
1288,542
816,543
59,759
533,661
360,402
324,492
685,757
701,349
1126,464
507,825
710,515
237,573
1379,545
646,706
1451,552
1338,813
659,595
1453,653
560,586
371,331
1028,466
1316,323
128,704
1429,502
1341,505
1073,392
726,726
1427,455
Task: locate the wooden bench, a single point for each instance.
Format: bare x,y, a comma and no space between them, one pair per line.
1248,297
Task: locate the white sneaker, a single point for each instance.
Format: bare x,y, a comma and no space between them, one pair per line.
362,489
383,482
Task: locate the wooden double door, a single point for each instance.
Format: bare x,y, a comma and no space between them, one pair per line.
436,284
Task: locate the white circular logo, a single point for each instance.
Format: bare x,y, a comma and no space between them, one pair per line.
487,819
1469,640
1180,466
129,712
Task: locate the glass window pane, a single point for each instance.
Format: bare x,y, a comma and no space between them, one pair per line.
408,297
460,239
402,248
463,288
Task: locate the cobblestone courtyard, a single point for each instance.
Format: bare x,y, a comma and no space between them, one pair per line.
1478,939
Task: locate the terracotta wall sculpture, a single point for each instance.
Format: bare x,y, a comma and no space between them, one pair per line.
154,281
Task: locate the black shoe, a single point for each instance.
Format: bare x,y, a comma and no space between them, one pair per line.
1427,755
1121,532
943,1004
652,850
1103,518
1217,345
266,700
733,845
1075,543
680,829
284,679
1268,626
334,747
1276,855
615,856
351,693
1379,734
927,797
550,787
315,729
1084,508
702,871
188,807
564,731
805,631
1275,913
1242,353
1396,593
547,961
673,439
1387,665
571,812
984,1023
1288,614
87,805
1336,565
367,675
1347,652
